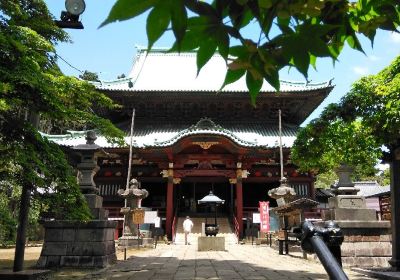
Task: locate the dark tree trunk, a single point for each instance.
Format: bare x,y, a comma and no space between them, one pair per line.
22,226
33,118
395,201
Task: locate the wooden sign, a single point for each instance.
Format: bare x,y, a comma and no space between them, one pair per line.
138,216
282,235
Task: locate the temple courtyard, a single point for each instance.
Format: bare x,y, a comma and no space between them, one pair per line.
185,262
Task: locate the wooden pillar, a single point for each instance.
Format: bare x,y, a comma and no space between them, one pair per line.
170,207
232,199
395,203
239,205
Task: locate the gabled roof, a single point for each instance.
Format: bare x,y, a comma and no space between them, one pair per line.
371,188
159,70
323,193
145,137
301,203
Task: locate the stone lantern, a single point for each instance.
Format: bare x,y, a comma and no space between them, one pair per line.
132,195
366,240
87,168
347,205
88,244
283,194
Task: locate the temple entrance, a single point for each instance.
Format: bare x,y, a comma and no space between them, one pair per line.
190,191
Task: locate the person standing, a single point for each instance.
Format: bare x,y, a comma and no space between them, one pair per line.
187,228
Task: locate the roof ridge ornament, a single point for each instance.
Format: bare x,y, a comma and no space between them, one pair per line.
206,124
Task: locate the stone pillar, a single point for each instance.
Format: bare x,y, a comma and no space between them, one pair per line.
395,202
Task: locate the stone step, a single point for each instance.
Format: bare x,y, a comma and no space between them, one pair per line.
230,238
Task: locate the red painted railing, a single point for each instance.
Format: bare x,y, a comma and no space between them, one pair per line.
236,224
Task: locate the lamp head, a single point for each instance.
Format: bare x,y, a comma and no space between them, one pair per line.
75,7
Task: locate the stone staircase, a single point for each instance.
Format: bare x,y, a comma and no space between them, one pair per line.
224,230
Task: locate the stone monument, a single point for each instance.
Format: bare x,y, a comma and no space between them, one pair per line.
132,195
82,244
367,241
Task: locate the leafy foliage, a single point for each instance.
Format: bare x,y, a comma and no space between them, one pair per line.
89,76
33,87
290,33
354,130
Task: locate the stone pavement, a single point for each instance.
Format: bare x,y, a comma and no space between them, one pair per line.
237,262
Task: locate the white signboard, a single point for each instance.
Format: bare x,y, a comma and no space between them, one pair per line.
256,218
157,222
150,217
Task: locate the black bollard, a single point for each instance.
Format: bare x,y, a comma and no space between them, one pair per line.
314,239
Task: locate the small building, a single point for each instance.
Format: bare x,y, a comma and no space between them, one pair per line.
377,197
191,137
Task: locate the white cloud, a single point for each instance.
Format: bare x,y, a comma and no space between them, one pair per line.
395,37
361,70
373,58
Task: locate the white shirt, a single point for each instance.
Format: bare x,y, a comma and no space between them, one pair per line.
187,225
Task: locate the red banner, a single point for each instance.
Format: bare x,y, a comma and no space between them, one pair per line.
264,216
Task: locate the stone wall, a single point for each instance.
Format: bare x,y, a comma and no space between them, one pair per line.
78,244
366,244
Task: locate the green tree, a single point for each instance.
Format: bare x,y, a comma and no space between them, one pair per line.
89,76
290,33
326,179
324,144
354,131
33,87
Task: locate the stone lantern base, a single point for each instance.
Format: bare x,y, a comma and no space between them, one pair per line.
133,241
78,244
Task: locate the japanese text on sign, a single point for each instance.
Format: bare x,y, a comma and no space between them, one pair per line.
264,216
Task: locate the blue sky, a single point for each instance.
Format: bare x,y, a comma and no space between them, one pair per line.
110,50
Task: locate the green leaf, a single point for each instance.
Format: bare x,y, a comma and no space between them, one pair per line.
284,25
301,61
190,42
222,39
354,43
206,51
238,51
179,20
265,4
313,61
272,77
157,23
127,9
319,48
232,76
254,86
